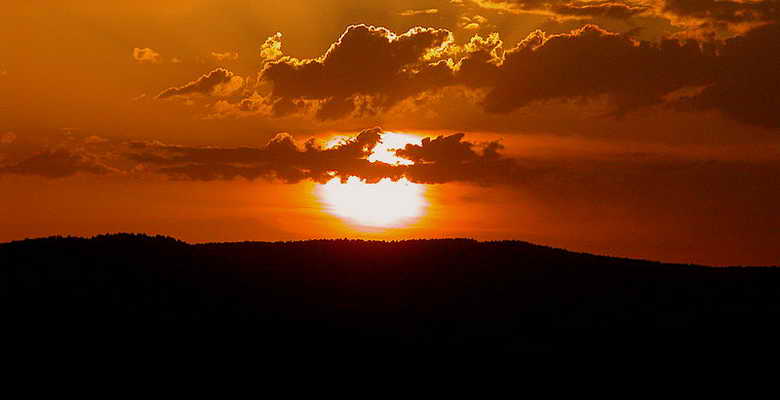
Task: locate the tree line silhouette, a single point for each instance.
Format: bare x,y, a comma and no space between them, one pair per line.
447,292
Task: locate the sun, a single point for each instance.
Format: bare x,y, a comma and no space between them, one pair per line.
385,204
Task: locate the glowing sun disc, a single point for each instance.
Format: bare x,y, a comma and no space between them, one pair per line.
384,204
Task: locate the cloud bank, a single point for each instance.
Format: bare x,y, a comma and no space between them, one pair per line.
59,163
370,70
436,160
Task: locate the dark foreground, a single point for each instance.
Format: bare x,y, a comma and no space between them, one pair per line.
354,294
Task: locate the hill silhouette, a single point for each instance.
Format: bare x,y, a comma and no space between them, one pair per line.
434,293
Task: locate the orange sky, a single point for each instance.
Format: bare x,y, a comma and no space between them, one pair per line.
643,129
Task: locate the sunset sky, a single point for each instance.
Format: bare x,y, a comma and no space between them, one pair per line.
646,129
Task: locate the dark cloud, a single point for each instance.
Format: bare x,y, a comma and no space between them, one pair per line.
220,82
747,79
281,159
58,163
683,12
451,159
367,64
439,160
590,9
739,76
723,11
369,70
626,178
611,9
592,62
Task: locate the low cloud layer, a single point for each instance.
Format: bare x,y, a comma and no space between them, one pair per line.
280,159
436,160
58,163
